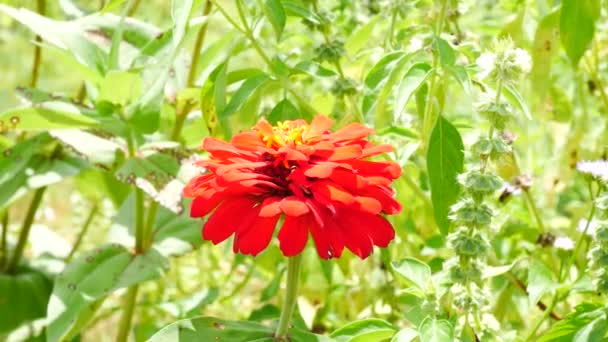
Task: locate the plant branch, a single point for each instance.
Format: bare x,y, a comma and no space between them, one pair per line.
25,229
83,231
127,315
41,9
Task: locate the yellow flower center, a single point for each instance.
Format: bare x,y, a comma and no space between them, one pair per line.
285,133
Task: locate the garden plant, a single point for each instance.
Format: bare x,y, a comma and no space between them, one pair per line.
304,170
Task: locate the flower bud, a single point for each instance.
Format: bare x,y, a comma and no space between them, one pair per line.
466,244
480,184
330,52
470,213
344,87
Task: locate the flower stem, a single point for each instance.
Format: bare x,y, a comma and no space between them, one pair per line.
196,52
427,120
3,246
41,9
543,318
83,231
293,279
139,221
127,314
579,242
25,229
534,210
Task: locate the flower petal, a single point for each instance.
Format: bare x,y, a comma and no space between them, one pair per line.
319,125
200,206
321,170
346,152
354,131
258,236
368,205
294,235
327,192
223,222
270,207
292,206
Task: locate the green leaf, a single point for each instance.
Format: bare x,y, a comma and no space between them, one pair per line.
46,116
414,78
313,69
540,280
447,56
405,335
594,331
219,87
120,87
436,330
97,150
577,26
566,329
112,4
367,330
513,95
243,93
460,74
361,36
445,160
276,15
293,8
92,277
180,13
215,329
546,40
192,304
176,235
284,110
63,35
377,77
494,271
273,287
23,297
416,272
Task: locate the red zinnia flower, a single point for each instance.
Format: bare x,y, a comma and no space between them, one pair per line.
320,180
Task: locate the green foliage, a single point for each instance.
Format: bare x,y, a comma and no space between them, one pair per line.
103,105
444,163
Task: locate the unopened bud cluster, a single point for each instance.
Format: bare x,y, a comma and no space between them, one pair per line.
472,214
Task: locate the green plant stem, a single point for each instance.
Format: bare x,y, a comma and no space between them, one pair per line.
180,118
534,210
427,120
25,229
198,44
133,8
3,245
289,304
417,190
139,221
41,9
127,315
149,224
249,33
581,238
543,318
83,231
